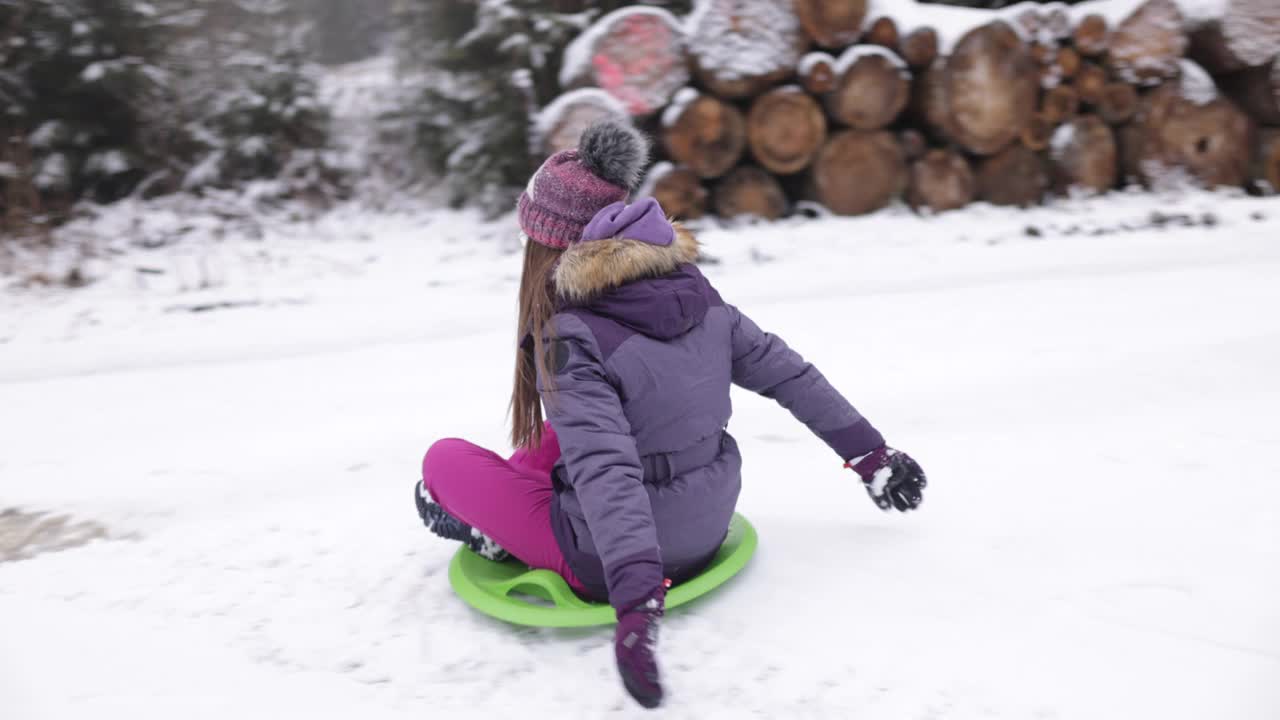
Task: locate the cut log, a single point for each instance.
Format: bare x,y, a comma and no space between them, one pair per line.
1043,53
1059,104
560,124
1146,46
992,88
1037,132
919,47
1026,16
1084,156
1092,36
704,133
1015,176
1090,82
677,189
1068,62
749,191
884,32
1266,163
1118,104
634,54
914,144
740,48
873,88
941,180
858,172
1130,142
785,130
930,107
817,72
1257,90
1245,35
1207,140
832,24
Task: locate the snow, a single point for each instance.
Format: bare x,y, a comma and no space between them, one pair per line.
93,72
1062,139
850,57
1094,403
1195,84
757,38
812,60
680,102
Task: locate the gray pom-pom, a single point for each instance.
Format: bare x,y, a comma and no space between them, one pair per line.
615,151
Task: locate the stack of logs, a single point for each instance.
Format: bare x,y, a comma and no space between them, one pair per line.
853,113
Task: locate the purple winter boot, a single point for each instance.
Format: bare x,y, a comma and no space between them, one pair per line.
634,643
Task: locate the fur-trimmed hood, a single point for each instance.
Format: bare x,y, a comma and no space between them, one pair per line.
654,290
589,269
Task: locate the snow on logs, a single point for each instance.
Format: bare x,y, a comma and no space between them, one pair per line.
741,48
635,54
856,104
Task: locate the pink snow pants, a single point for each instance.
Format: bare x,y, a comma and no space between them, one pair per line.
507,500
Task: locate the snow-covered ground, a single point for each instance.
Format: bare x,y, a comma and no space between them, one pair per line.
1092,388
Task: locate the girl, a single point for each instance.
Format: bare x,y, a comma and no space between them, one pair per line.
631,484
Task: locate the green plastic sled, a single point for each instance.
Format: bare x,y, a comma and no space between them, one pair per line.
496,589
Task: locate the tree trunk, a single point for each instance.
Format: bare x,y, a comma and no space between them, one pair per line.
919,47
914,145
1257,90
858,172
1146,46
1084,156
678,190
884,32
930,106
705,134
560,124
833,24
1246,35
941,180
749,190
1014,176
740,48
1037,132
873,89
1091,81
817,72
992,88
636,55
1118,104
1060,104
1092,36
1266,163
785,130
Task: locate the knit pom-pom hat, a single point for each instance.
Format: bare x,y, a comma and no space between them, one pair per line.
565,194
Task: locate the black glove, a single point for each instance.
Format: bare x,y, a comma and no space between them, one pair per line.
892,478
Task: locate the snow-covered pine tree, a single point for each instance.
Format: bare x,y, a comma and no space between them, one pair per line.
76,80
474,72
249,101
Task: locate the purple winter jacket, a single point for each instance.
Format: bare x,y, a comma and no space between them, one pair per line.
644,352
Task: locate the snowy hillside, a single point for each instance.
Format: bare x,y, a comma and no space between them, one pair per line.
1092,387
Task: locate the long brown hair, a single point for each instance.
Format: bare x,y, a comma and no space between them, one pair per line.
537,305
